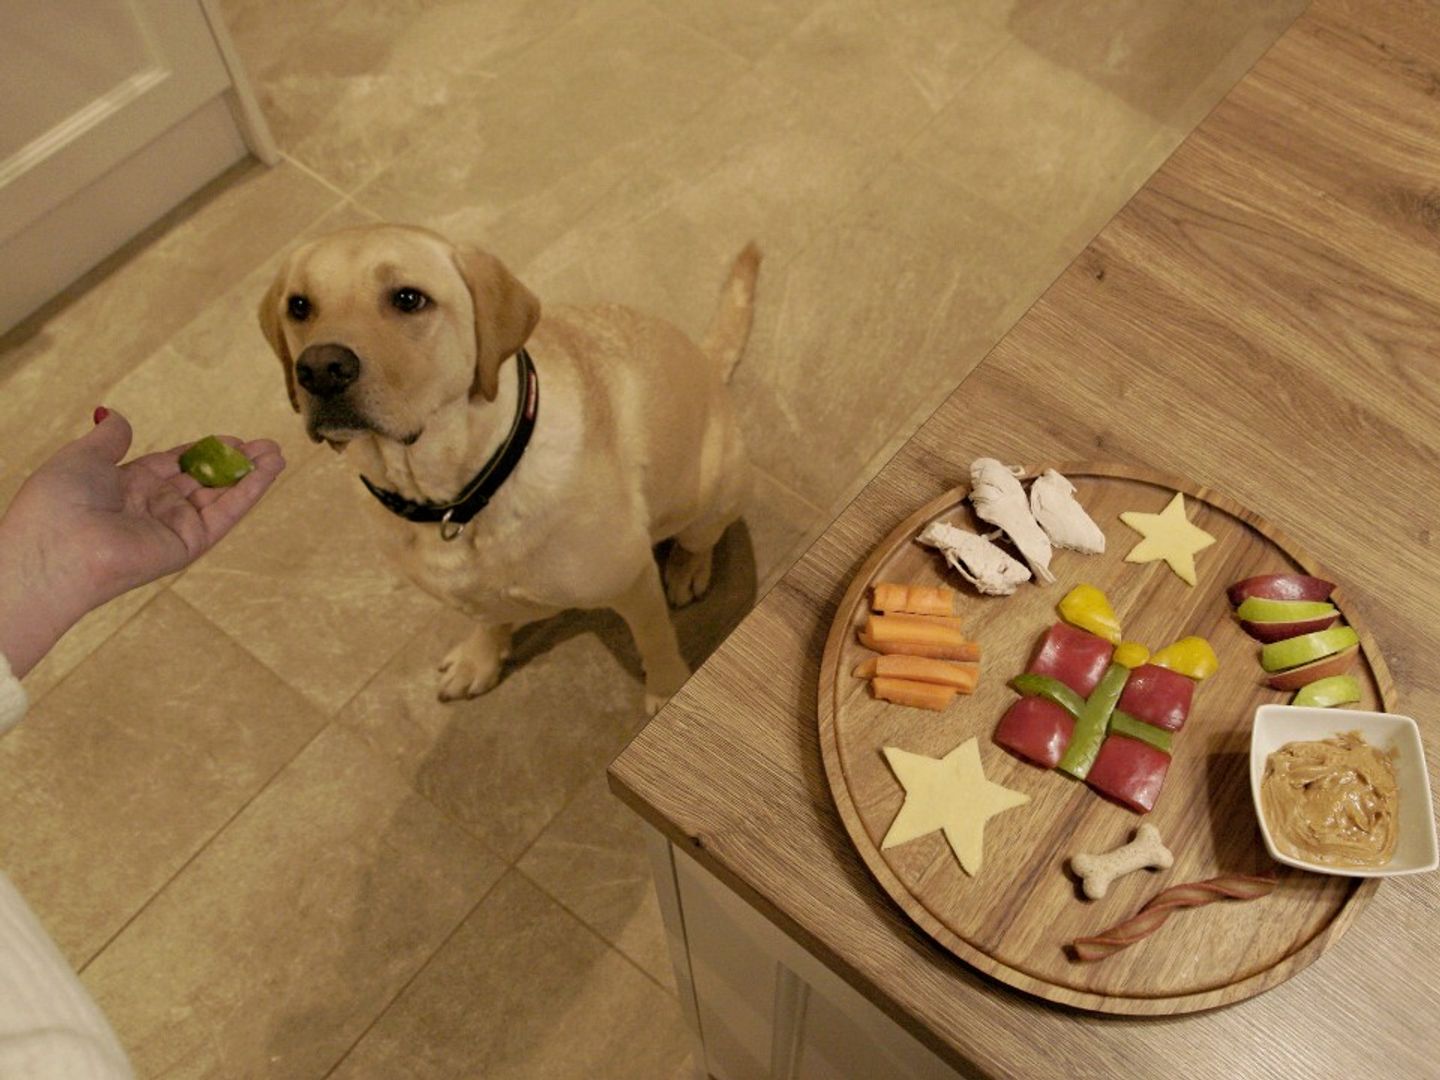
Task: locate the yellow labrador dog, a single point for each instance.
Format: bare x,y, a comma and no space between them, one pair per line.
521,465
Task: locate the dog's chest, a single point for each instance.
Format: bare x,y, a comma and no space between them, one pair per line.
485,576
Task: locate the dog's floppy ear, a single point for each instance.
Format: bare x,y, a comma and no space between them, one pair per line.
274,333
505,314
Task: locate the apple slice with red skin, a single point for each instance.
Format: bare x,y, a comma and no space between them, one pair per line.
1281,587
1295,678
1279,631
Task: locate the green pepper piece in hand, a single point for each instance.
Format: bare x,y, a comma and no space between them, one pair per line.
1044,686
1092,723
1122,723
214,463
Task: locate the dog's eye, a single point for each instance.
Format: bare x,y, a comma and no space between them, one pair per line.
298,308
408,299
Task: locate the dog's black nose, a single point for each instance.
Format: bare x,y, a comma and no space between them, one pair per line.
326,370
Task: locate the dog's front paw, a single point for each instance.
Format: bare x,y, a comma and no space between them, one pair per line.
687,575
663,684
465,675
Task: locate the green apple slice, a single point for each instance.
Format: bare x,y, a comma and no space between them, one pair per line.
1328,693
214,463
1292,652
1259,609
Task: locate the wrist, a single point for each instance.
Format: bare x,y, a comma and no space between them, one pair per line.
35,610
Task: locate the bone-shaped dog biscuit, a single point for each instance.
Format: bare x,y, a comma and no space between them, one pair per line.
1098,871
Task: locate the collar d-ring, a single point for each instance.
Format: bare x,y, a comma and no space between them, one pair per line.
449,530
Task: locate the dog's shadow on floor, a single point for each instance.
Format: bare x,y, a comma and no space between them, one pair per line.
701,626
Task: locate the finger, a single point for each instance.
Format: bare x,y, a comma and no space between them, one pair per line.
110,439
257,448
222,508
185,484
254,449
266,455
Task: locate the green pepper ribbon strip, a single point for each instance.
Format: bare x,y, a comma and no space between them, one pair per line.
1093,722
1121,723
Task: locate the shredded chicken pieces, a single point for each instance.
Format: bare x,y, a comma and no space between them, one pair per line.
998,498
1052,501
975,558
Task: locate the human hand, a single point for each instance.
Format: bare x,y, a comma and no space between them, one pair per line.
83,529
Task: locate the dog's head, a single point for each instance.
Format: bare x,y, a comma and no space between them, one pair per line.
379,326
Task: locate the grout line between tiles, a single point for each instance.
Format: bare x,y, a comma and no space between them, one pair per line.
660,11
647,149
389,1004
320,179
260,789
793,492
459,925
331,722
439,131
612,946
896,156
328,713
103,642
201,309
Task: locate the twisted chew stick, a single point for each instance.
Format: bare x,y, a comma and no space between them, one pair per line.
1153,915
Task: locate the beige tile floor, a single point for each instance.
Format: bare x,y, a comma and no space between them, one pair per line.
236,803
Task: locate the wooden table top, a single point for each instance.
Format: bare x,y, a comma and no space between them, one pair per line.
1263,318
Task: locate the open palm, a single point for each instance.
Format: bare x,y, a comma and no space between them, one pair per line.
106,528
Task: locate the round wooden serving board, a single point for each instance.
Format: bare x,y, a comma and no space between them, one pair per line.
1014,918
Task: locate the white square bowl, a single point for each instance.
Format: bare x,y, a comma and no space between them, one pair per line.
1415,850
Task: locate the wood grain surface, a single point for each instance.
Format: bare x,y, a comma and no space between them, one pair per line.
1013,920
1262,318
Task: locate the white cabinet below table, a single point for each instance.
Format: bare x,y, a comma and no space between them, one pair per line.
759,1005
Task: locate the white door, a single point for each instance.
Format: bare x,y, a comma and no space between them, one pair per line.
89,86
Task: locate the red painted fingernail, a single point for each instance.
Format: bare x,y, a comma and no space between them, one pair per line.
101,412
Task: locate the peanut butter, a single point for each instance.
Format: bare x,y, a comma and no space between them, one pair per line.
1332,802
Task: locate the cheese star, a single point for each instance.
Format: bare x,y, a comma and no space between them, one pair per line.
949,793
1169,535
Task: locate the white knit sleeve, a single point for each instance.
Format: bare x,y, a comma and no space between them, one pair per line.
13,701
50,1027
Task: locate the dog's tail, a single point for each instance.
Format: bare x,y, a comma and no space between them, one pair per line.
730,329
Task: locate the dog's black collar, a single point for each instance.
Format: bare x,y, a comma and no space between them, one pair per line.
454,516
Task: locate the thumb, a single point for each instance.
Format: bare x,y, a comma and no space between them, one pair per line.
110,437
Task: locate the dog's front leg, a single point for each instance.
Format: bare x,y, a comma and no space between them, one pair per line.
645,611
473,666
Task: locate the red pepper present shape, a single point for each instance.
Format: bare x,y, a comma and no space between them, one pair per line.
1158,696
1035,729
1130,772
1076,658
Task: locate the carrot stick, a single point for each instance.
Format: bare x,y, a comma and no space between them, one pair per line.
966,650
961,677
919,629
906,618
917,695
916,599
